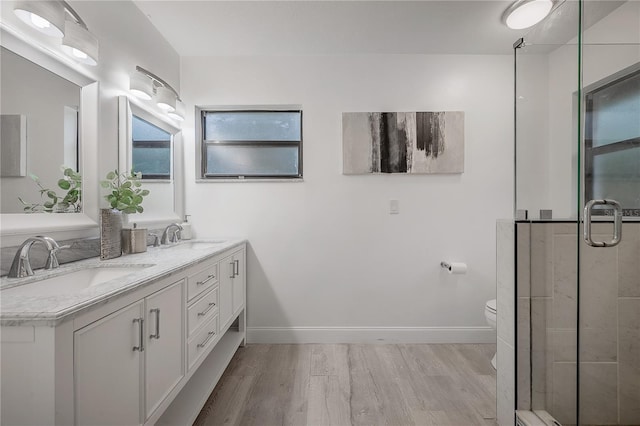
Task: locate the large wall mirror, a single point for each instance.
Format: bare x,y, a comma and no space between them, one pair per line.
48,132
151,146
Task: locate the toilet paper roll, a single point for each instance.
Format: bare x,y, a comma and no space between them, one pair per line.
457,268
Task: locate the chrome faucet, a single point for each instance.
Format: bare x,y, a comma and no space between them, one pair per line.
21,266
169,237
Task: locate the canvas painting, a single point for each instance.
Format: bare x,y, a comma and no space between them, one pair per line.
403,142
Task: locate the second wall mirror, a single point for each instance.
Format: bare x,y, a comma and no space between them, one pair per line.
151,146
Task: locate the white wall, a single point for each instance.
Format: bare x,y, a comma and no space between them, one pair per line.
325,256
532,130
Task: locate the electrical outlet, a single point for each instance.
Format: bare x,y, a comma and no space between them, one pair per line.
394,207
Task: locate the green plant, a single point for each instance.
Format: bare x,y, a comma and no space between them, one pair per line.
70,202
126,193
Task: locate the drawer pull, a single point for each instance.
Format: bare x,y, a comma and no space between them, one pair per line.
157,335
210,307
209,278
210,335
236,268
140,322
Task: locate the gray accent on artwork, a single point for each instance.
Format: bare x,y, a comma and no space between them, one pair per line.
430,133
393,144
374,125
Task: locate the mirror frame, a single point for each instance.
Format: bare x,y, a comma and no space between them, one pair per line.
127,108
18,226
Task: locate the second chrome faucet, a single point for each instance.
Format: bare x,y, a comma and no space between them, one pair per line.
171,234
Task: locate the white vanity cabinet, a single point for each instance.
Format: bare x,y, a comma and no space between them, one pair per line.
139,346
164,354
149,355
105,361
232,286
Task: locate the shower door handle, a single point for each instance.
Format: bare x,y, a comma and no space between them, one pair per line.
617,223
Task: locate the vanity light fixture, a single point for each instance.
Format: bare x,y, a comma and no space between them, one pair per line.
145,84
526,13
178,114
58,19
79,43
141,86
45,16
165,99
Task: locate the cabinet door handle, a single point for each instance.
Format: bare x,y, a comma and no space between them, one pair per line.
140,322
236,268
233,269
210,307
209,278
209,336
157,312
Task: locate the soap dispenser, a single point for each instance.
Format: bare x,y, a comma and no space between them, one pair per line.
185,233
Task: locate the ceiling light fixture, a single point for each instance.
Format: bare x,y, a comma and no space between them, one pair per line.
45,16
526,13
144,84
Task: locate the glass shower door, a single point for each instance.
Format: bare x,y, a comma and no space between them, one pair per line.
608,357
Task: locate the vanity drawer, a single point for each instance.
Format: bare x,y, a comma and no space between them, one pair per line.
201,342
202,280
202,310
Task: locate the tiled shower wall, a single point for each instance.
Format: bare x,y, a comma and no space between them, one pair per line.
547,276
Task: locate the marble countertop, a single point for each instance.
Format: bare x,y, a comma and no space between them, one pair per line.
20,306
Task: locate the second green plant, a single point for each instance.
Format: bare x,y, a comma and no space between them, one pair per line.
126,193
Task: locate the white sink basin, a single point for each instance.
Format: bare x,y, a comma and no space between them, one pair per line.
198,245
73,281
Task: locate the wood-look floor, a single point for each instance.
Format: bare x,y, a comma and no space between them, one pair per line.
353,384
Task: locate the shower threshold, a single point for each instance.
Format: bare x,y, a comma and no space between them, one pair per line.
535,418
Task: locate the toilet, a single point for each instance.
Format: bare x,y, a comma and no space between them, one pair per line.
490,315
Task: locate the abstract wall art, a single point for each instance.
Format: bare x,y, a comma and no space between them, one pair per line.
403,142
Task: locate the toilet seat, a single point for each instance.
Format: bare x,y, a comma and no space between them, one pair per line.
491,306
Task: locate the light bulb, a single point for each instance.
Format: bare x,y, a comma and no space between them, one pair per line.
140,94
39,22
79,53
165,107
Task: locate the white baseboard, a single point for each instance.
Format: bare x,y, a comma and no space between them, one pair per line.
371,335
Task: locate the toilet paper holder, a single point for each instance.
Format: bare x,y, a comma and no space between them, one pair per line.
454,267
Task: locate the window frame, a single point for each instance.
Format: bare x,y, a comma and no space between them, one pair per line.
591,152
154,144
201,157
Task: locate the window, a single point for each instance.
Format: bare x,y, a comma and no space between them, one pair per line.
612,143
151,150
251,144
